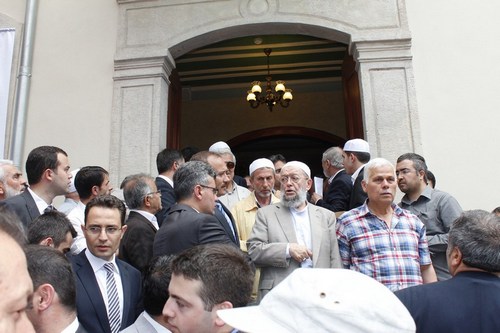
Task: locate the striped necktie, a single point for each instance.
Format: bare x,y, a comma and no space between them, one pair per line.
113,300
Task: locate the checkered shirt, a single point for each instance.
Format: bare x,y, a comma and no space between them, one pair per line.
391,256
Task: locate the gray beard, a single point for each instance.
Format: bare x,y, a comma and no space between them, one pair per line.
295,201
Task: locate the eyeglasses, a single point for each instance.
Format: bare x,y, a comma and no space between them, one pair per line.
97,230
294,179
215,190
230,165
151,193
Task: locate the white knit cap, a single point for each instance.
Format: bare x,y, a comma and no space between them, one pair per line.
219,146
300,165
72,187
357,145
260,163
324,300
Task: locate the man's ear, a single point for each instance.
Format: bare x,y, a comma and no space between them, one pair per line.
224,305
47,242
45,295
454,259
363,185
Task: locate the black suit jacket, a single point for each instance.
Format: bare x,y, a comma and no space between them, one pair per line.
184,228
167,198
358,196
223,222
24,206
136,246
468,302
91,309
338,194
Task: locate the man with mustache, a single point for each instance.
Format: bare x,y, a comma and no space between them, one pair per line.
382,240
292,233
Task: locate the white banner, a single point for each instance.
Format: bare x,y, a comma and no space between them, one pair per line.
6,51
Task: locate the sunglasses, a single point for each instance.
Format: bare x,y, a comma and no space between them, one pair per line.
230,165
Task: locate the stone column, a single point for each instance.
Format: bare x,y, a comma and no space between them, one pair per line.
139,115
388,98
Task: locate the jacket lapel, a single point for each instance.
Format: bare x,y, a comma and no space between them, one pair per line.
87,277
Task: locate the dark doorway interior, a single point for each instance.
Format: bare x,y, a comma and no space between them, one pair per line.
305,149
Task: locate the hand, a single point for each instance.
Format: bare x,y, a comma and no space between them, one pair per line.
315,197
299,252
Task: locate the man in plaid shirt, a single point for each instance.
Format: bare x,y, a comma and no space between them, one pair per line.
382,240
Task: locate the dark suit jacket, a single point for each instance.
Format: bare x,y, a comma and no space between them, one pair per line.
80,329
358,196
136,246
223,222
468,302
91,310
240,181
24,206
184,228
338,194
167,198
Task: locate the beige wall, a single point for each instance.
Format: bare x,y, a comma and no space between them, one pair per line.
72,81
457,71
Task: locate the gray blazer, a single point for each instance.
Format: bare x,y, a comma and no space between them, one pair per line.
273,230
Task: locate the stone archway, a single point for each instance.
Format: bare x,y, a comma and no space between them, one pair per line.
151,34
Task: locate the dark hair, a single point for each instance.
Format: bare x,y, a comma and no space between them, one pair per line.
166,159
135,189
41,159
47,265
11,225
106,201
52,224
431,178
362,157
189,175
476,233
277,157
496,210
188,152
418,162
223,270
88,177
156,279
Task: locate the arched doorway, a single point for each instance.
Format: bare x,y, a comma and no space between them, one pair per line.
151,35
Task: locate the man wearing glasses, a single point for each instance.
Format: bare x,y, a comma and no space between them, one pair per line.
144,201
235,186
108,290
292,233
190,221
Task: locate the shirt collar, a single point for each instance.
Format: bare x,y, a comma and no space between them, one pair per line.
356,173
168,180
332,177
148,216
98,263
40,203
71,328
158,328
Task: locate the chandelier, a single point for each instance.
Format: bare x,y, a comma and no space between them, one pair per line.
282,95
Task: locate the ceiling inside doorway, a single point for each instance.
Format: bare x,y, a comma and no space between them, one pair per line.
235,63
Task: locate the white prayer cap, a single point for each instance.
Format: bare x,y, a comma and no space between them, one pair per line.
219,146
72,187
300,165
357,145
324,300
260,163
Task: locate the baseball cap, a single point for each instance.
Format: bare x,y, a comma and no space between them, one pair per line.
324,300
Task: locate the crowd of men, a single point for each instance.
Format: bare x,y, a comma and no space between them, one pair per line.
195,250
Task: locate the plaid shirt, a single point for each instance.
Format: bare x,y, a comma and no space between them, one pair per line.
391,256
